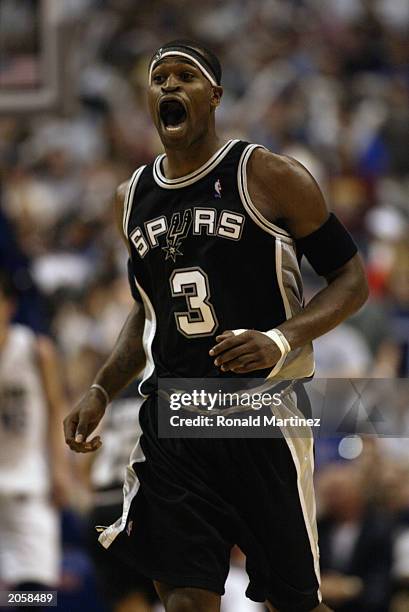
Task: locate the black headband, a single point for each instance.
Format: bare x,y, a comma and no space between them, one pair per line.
192,54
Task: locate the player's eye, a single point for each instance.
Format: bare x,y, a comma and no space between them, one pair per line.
187,76
158,79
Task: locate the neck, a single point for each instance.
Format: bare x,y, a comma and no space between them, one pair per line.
179,162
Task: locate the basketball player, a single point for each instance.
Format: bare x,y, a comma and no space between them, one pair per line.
214,231
33,469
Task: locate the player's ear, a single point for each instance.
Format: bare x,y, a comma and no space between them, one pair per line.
216,95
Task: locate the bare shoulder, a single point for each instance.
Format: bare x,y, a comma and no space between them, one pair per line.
284,185
279,170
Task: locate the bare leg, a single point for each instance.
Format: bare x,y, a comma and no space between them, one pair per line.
185,599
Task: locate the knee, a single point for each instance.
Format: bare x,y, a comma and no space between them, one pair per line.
182,601
187,599
191,600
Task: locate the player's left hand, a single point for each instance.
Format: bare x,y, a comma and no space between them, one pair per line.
251,350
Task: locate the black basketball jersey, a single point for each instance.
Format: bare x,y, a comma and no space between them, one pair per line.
204,261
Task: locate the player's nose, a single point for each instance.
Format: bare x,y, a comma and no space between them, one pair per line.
170,84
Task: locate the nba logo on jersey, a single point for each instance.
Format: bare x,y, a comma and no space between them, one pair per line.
218,189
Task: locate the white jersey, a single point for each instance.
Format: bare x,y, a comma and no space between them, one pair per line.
23,417
121,430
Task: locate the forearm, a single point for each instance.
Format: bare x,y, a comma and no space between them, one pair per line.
343,296
127,358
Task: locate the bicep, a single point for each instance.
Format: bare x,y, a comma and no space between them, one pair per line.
283,189
304,207
297,199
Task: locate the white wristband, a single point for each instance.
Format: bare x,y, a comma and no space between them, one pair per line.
275,335
103,391
281,341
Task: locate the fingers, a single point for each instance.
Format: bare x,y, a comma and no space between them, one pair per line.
85,447
81,422
226,334
76,431
226,341
234,353
247,351
250,366
242,364
70,427
82,428
231,354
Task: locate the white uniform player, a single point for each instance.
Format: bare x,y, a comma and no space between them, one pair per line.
31,462
121,429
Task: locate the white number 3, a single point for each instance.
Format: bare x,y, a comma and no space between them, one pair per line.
200,318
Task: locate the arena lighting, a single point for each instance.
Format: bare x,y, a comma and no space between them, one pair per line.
350,447
29,63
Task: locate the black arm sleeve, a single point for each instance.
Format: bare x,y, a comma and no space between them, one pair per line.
329,247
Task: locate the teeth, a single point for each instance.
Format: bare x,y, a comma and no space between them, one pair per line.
174,128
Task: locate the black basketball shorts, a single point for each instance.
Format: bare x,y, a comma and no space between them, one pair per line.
116,578
199,497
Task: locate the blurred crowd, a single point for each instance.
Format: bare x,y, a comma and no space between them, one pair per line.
324,81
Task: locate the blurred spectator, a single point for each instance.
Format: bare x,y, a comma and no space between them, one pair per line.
342,353
33,464
355,543
30,307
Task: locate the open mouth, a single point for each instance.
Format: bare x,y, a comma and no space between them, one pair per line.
173,114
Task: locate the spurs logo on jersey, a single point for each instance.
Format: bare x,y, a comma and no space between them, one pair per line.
178,230
197,221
